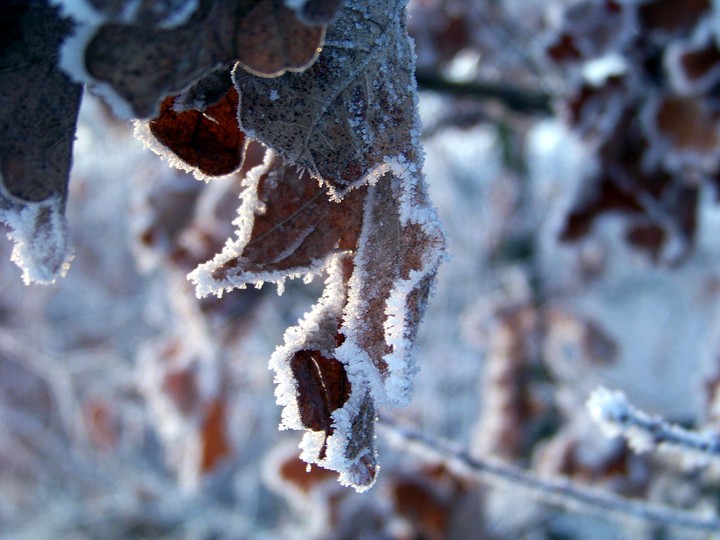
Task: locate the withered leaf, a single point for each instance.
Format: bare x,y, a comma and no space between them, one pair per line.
348,111
209,140
288,227
38,112
349,120
215,446
136,65
271,40
323,387
39,107
381,247
683,132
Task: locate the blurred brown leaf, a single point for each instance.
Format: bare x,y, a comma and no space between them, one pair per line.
142,64
214,439
344,114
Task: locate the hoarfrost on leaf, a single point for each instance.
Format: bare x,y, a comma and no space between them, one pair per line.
312,118
368,223
39,231
38,112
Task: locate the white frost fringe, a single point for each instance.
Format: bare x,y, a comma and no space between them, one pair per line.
42,246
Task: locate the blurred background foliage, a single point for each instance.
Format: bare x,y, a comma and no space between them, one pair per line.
573,152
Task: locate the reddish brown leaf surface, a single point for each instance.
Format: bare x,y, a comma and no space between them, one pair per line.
209,140
136,65
687,125
323,387
295,227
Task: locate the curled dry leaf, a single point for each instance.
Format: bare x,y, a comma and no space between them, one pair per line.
343,115
209,140
349,119
288,227
135,65
38,112
381,246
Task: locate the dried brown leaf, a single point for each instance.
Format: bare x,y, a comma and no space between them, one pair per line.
215,446
209,140
136,65
687,125
39,104
38,112
271,40
350,120
295,227
341,117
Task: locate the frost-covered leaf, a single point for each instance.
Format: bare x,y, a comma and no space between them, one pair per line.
38,112
287,227
682,134
134,65
208,141
353,107
591,29
350,120
381,247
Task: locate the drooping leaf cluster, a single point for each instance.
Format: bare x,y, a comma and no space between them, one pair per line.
329,89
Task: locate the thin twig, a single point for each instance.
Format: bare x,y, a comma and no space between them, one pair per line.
560,492
516,98
617,417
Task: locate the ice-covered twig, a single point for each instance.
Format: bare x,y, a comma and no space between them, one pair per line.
617,417
554,491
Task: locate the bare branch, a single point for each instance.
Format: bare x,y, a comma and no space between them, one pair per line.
617,417
518,99
564,493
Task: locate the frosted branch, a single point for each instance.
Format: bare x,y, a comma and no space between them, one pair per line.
563,493
617,417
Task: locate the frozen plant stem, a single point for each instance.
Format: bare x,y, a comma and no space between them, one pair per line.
617,417
559,492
